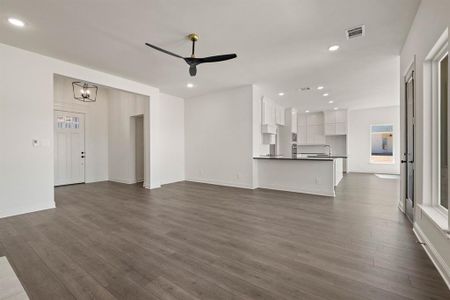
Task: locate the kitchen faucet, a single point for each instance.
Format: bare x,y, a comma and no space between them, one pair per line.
329,149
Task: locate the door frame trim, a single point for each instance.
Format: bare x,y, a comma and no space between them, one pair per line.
408,74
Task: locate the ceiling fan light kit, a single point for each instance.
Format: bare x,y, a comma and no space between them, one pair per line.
193,61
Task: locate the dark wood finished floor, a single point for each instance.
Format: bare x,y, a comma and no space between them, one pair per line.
195,241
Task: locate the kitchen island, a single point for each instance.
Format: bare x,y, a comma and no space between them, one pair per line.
317,175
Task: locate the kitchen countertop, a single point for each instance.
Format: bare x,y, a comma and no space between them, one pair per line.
301,157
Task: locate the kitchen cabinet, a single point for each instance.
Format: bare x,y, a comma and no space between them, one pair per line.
288,134
267,112
311,129
279,115
294,120
269,129
302,135
315,135
335,122
271,113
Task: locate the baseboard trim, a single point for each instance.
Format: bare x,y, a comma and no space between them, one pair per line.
222,183
401,206
296,190
29,209
433,254
125,181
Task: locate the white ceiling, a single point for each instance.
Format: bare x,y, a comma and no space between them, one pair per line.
281,45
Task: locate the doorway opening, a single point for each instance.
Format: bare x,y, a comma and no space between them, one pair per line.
101,140
137,147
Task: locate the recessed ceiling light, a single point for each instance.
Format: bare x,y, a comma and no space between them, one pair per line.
331,101
190,85
16,22
306,111
326,95
336,108
334,48
280,94
320,88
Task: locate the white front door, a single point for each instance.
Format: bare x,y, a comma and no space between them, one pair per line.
69,147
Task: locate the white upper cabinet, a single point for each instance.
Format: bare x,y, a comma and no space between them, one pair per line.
341,116
335,122
267,112
294,120
314,119
311,129
271,113
279,115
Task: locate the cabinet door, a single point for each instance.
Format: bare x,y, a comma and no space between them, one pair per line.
268,112
315,134
302,135
301,120
294,121
330,117
320,137
341,128
314,119
271,110
330,129
279,113
265,112
341,116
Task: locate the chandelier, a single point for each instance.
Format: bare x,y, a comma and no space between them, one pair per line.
84,91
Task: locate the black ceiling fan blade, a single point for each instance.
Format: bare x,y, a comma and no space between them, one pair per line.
216,58
162,50
193,70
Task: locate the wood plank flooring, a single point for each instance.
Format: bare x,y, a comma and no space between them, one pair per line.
196,241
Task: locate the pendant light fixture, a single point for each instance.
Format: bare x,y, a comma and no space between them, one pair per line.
85,92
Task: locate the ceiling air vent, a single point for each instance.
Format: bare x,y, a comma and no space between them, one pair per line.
356,32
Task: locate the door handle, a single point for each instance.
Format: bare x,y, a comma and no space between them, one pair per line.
82,156
404,161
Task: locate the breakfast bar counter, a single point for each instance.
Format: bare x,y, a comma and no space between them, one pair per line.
317,175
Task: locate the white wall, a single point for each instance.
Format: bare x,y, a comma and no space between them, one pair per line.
122,107
432,18
359,122
172,142
26,102
96,126
218,132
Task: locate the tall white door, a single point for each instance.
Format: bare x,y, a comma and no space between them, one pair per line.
69,153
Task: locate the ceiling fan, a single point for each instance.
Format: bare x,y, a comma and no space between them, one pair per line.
193,61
